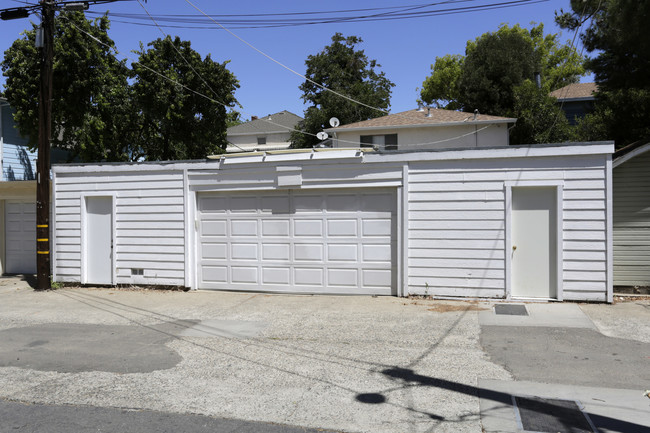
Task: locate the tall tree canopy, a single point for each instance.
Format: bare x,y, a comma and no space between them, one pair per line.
104,111
89,100
344,69
616,30
497,76
176,122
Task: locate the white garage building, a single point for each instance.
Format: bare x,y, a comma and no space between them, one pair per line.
509,222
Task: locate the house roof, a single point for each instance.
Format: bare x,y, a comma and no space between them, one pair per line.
631,151
575,91
273,123
416,118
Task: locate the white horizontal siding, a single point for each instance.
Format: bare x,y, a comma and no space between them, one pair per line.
149,224
456,236
454,223
632,222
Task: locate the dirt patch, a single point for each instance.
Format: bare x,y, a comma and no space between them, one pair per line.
465,306
632,290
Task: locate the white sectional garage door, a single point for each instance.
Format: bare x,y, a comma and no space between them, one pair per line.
298,241
20,243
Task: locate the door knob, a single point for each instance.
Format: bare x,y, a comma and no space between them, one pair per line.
514,247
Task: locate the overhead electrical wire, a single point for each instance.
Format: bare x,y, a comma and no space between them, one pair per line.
261,21
269,57
204,81
171,80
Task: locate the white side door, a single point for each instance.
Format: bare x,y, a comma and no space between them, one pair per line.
98,245
534,242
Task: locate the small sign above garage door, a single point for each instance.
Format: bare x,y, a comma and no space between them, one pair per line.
298,241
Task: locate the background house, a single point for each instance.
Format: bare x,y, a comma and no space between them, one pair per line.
632,215
576,100
17,198
424,129
267,133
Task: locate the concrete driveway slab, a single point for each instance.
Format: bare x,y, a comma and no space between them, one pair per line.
540,314
610,410
354,364
630,320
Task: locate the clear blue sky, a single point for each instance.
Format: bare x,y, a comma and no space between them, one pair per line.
404,48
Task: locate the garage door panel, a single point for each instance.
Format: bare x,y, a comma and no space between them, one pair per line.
342,203
376,253
214,228
275,227
342,227
214,251
243,228
214,274
244,274
213,204
275,205
276,276
377,202
276,251
376,227
309,277
244,204
239,251
376,277
295,241
308,252
343,252
308,227
308,204
343,277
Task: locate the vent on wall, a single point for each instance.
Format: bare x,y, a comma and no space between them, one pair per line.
137,271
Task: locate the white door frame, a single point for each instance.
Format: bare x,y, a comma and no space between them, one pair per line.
559,195
84,226
192,215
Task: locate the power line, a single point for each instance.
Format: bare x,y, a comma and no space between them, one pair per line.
242,111
171,80
265,21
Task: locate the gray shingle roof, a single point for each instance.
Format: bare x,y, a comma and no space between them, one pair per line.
279,122
420,118
576,91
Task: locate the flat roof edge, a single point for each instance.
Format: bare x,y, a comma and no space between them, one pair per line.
598,147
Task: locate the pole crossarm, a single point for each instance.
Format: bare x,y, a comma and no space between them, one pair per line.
24,11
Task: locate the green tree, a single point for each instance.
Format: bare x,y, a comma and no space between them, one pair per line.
616,30
175,120
344,69
539,119
496,76
441,88
90,104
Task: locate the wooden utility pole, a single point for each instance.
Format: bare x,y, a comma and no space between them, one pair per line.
43,162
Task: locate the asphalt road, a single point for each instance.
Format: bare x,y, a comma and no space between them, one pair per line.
107,360
569,356
39,418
